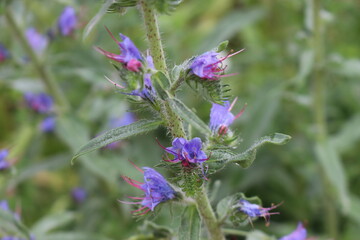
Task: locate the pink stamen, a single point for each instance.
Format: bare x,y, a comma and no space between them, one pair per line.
132,182
232,104
111,35
117,85
165,147
136,198
140,209
139,169
110,55
241,111
143,212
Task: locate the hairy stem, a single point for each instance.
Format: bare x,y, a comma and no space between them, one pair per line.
208,216
153,36
49,82
319,106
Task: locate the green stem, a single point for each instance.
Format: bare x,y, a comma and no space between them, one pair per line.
153,36
208,215
49,82
319,106
234,232
175,85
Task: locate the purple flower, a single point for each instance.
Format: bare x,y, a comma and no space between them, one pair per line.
3,163
298,234
130,55
37,41
4,53
155,188
40,102
221,117
209,66
48,124
78,194
67,21
186,152
254,210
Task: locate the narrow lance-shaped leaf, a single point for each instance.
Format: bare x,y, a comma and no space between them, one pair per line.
189,116
190,225
246,158
117,134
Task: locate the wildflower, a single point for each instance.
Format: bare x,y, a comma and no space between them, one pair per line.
4,53
37,41
41,102
3,163
221,117
155,187
186,152
67,21
130,55
254,210
78,194
48,124
298,234
209,66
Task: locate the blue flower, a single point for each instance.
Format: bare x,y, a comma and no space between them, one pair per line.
37,41
186,152
67,21
3,163
221,117
78,194
299,233
48,124
155,187
4,53
209,66
40,102
254,210
130,56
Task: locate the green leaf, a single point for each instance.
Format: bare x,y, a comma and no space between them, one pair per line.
246,158
165,6
190,224
96,19
117,134
49,223
331,163
224,206
10,225
258,235
222,46
355,209
119,5
189,116
71,236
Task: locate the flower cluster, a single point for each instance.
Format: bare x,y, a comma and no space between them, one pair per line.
209,66
221,117
67,21
155,188
253,210
3,163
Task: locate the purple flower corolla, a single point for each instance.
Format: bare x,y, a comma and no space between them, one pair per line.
37,41
221,117
40,102
78,194
3,163
254,210
209,66
67,21
4,53
155,188
299,233
186,152
48,124
130,55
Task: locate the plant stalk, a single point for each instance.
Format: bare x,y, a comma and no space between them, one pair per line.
208,216
49,82
153,36
319,106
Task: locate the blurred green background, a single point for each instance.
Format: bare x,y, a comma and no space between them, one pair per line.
299,75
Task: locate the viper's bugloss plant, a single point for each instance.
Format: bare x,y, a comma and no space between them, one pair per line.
36,40
299,233
39,102
4,164
67,21
4,53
